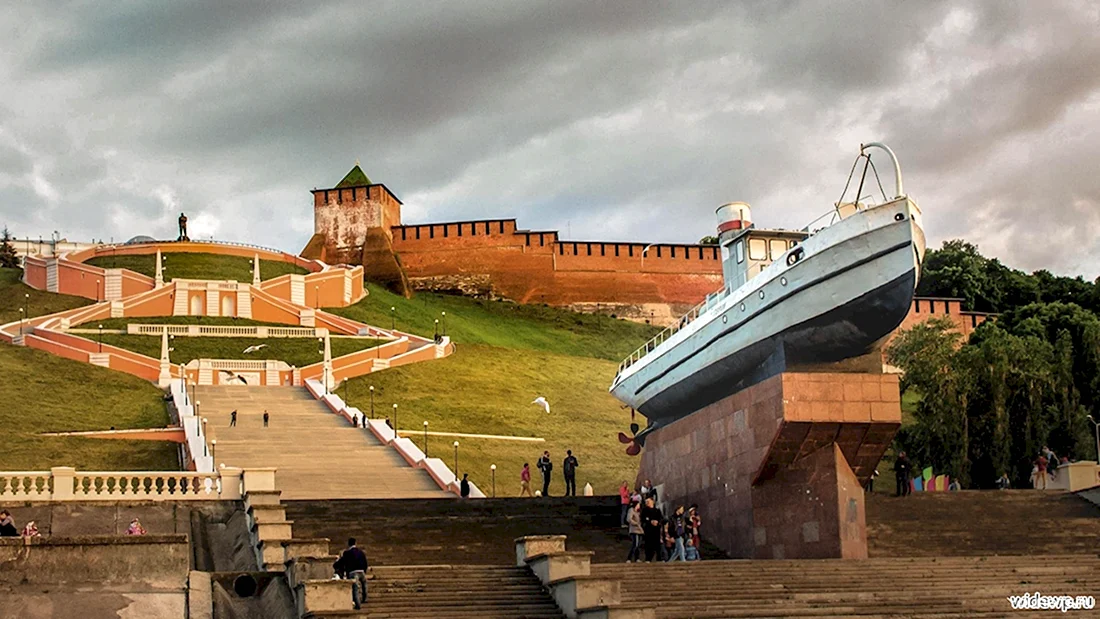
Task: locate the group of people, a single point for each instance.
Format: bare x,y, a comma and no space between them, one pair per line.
675,538
546,466
1046,465
8,528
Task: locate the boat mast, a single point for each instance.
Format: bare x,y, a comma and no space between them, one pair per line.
893,158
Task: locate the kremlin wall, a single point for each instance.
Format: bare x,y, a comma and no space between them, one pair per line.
359,222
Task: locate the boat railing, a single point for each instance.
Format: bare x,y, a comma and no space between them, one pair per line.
712,299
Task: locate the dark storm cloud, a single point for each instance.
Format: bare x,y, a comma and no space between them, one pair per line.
604,120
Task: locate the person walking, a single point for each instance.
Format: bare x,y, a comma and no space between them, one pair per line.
651,529
266,417
464,487
546,466
525,480
569,469
353,565
624,500
901,474
233,419
1041,472
634,528
676,533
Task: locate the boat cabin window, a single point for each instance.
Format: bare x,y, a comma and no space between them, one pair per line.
758,249
777,247
739,249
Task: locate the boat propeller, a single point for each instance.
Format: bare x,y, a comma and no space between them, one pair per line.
633,446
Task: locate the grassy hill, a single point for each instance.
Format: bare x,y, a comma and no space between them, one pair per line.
197,266
43,393
506,356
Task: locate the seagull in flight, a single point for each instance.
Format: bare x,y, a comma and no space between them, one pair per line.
541,401
254,348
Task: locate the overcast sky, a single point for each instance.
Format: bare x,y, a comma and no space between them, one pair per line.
604,120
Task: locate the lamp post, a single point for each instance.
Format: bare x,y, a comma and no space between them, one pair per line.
393,318
436,338
456,459
372,401
444,323
22,320
100,338
183,383
395,435
214,451
27,303
204,450
346,381
425,439
493,470
1096,427
97,288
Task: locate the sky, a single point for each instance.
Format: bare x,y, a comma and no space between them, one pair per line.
603,120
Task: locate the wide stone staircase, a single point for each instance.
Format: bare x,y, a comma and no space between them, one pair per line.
970,523
409,532
954,587
318,454
437,591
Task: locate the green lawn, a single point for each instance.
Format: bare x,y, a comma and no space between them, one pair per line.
197,266
298,352
72,396
506,356
15,295
502,324
488,390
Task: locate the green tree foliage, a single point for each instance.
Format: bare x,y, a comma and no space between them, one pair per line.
957,269
8,258
990,404
708,240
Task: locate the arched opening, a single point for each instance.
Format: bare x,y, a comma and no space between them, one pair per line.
197,301
229,305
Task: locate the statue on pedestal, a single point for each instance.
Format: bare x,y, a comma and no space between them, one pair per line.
183,228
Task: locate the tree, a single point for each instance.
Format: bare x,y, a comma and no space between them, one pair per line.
8,257
708,240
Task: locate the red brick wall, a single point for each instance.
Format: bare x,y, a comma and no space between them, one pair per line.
535,267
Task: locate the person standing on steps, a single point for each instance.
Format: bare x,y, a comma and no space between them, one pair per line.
634,527
624,500
651,529
352,564
265,418
233,419
546,466
464,487
569,469
901,474
525,480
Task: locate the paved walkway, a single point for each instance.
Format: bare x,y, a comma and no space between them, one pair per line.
318,455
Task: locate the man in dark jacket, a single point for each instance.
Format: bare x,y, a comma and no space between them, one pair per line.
464,487
651,529
353,564
569,468
545,465
901,473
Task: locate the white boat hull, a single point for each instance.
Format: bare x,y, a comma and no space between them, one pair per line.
852,287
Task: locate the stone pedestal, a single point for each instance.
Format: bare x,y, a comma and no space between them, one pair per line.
777,469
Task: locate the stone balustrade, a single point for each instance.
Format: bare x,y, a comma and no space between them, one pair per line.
67,484
261,332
